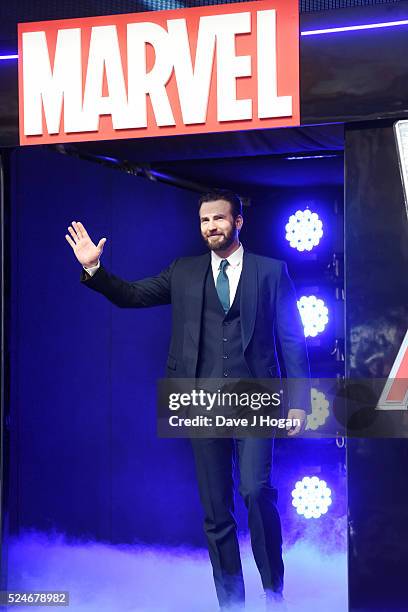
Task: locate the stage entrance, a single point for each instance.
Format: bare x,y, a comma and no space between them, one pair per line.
83,372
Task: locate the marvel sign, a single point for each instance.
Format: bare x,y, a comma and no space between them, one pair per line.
205,69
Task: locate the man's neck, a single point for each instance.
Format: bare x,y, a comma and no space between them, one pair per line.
224,254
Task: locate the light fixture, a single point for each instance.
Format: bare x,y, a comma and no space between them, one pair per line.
314,314
320,410
353,28
304,230
311,497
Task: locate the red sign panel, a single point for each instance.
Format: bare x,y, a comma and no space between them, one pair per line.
204,69
395,393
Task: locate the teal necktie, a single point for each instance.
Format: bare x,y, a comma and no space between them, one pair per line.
222,285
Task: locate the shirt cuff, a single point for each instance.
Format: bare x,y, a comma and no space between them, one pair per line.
91,271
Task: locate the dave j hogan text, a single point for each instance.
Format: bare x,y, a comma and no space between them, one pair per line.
222,421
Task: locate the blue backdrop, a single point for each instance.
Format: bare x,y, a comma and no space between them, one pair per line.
85,457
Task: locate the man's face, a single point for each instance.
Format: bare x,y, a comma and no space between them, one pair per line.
218,227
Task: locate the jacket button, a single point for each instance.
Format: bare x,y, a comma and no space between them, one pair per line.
225,339
225,356
225,373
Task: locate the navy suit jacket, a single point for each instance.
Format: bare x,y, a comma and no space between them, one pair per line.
268,311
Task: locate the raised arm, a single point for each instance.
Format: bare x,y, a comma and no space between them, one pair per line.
152,291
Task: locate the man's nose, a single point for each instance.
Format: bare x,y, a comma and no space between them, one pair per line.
211,226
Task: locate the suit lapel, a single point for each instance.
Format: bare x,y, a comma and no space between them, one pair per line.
196,295
249,297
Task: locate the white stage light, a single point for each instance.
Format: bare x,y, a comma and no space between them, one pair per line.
320,410
304,230
311,497
314,314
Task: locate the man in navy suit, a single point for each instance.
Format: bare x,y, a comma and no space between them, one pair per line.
229,307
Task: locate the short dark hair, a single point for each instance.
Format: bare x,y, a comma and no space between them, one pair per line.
223,194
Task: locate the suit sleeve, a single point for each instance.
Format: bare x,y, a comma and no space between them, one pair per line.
292,340
151,291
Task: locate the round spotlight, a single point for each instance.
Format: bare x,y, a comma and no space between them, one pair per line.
320,410
311,497
304,230
314,314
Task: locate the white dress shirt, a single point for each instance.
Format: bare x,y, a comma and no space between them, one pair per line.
91,271
233,270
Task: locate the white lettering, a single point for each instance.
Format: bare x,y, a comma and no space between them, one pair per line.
269,103
141,82
104,56
48,87
230,67
193,86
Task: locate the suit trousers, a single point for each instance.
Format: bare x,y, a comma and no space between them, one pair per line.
215,460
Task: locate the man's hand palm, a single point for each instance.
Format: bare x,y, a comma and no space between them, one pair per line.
86,252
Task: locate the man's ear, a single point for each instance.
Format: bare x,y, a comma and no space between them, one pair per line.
239,222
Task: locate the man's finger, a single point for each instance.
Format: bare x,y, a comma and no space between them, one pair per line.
293,431
101,244
70,241
77,229
83,230
73,234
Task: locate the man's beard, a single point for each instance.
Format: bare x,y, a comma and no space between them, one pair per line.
220,242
